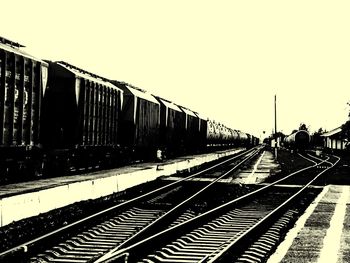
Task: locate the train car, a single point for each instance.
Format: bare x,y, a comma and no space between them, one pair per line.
249,141
202,133
57,118
243,139
172,128
225,134
23,80
80,119
213,133
191,130
220,136
256,141
140,125
298,140
234,137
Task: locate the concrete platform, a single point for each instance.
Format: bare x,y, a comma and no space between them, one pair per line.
322,234
23,200
265,166
257,173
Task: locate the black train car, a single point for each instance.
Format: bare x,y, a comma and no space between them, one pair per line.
249,141
23,81
243,139
252,141
234,137
202,132
257,141
80,119
299,140
140,123
192,130
172,128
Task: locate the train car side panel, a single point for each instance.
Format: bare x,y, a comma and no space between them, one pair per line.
22,84
141,120
203,126
172,128
191,130
60,114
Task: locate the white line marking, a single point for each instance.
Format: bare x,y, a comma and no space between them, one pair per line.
321,159
251,178
283,248
331,242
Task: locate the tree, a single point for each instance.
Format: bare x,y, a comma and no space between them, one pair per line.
345,128
317,140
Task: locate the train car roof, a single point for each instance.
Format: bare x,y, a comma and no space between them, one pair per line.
202,117
169,104
86,75
296,132
242,133
141,94
188,111
14,48
235,131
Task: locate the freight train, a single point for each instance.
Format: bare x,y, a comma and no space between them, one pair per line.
298,140
57,118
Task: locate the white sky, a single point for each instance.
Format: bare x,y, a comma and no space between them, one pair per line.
224,59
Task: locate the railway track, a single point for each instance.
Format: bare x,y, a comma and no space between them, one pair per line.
125,223
221,234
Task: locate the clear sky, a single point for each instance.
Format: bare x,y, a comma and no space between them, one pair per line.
224,59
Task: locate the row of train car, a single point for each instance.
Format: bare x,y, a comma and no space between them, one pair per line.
298,140
57,118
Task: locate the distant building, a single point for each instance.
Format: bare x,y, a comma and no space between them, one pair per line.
334,139
278,142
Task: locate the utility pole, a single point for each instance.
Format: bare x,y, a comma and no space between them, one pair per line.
275,128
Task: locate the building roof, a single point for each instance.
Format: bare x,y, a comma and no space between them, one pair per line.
332,132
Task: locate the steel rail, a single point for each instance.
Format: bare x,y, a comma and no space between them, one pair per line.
220,256
25,247
110,257
147,231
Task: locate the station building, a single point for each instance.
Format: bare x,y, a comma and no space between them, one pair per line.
334,139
